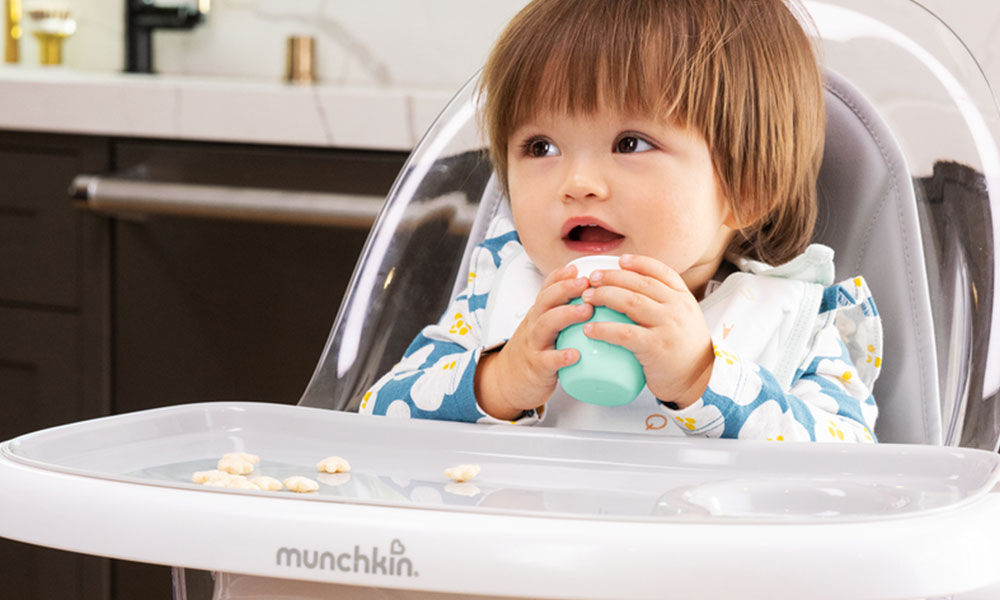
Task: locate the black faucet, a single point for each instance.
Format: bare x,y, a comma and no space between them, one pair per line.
142,17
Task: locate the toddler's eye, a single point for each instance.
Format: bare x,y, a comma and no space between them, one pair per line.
539,148
628,144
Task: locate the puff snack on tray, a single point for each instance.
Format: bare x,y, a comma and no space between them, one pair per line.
238,463
462,473
333,464
300,484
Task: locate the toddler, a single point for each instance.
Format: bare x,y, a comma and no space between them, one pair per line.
684,137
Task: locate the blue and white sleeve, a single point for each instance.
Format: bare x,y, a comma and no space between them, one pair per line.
830,397
436,377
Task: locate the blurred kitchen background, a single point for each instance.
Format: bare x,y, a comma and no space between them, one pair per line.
128,307
105,311
433,44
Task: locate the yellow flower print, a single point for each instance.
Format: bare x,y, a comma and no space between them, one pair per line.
835,432
364,400
459,326
687,422
780,438
847,376
449,366
872,358
472,275
730,358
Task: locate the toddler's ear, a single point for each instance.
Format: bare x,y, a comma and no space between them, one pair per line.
744,217
733,220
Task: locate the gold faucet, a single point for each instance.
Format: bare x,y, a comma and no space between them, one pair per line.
12,30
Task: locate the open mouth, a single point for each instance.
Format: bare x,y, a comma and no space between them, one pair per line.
592,234
588,235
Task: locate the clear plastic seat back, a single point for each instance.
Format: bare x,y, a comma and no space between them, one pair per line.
906,194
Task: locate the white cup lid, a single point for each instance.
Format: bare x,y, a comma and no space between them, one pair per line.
585,265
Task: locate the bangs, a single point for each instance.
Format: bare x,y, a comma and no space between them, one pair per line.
644,58
594,55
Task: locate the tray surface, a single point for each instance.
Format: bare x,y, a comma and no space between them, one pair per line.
535,472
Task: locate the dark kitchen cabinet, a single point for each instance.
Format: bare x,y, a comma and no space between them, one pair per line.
103,314
54,327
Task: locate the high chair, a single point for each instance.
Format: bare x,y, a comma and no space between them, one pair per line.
570,514
870,215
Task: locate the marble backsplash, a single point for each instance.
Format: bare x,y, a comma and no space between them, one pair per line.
434,44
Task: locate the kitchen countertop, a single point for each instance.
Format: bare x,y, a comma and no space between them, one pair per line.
61,100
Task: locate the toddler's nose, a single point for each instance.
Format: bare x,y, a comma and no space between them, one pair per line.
584,179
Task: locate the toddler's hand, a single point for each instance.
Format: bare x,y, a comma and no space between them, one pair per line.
523,375
670,338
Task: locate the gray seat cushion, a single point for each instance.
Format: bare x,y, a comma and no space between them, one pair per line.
868,215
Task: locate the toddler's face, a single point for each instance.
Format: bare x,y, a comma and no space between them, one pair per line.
612,184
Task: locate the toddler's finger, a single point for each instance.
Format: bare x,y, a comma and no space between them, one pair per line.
639,283
553,360
630,337
562,273
651,267
642,309
561,292
552,321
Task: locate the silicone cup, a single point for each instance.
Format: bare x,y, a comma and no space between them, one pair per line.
606,374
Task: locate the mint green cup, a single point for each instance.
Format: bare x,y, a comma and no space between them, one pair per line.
606,374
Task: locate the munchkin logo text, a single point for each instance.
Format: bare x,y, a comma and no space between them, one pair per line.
376,562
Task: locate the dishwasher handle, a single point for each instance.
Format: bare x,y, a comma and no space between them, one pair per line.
116,195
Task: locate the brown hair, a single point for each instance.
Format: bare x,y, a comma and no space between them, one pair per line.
742,73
